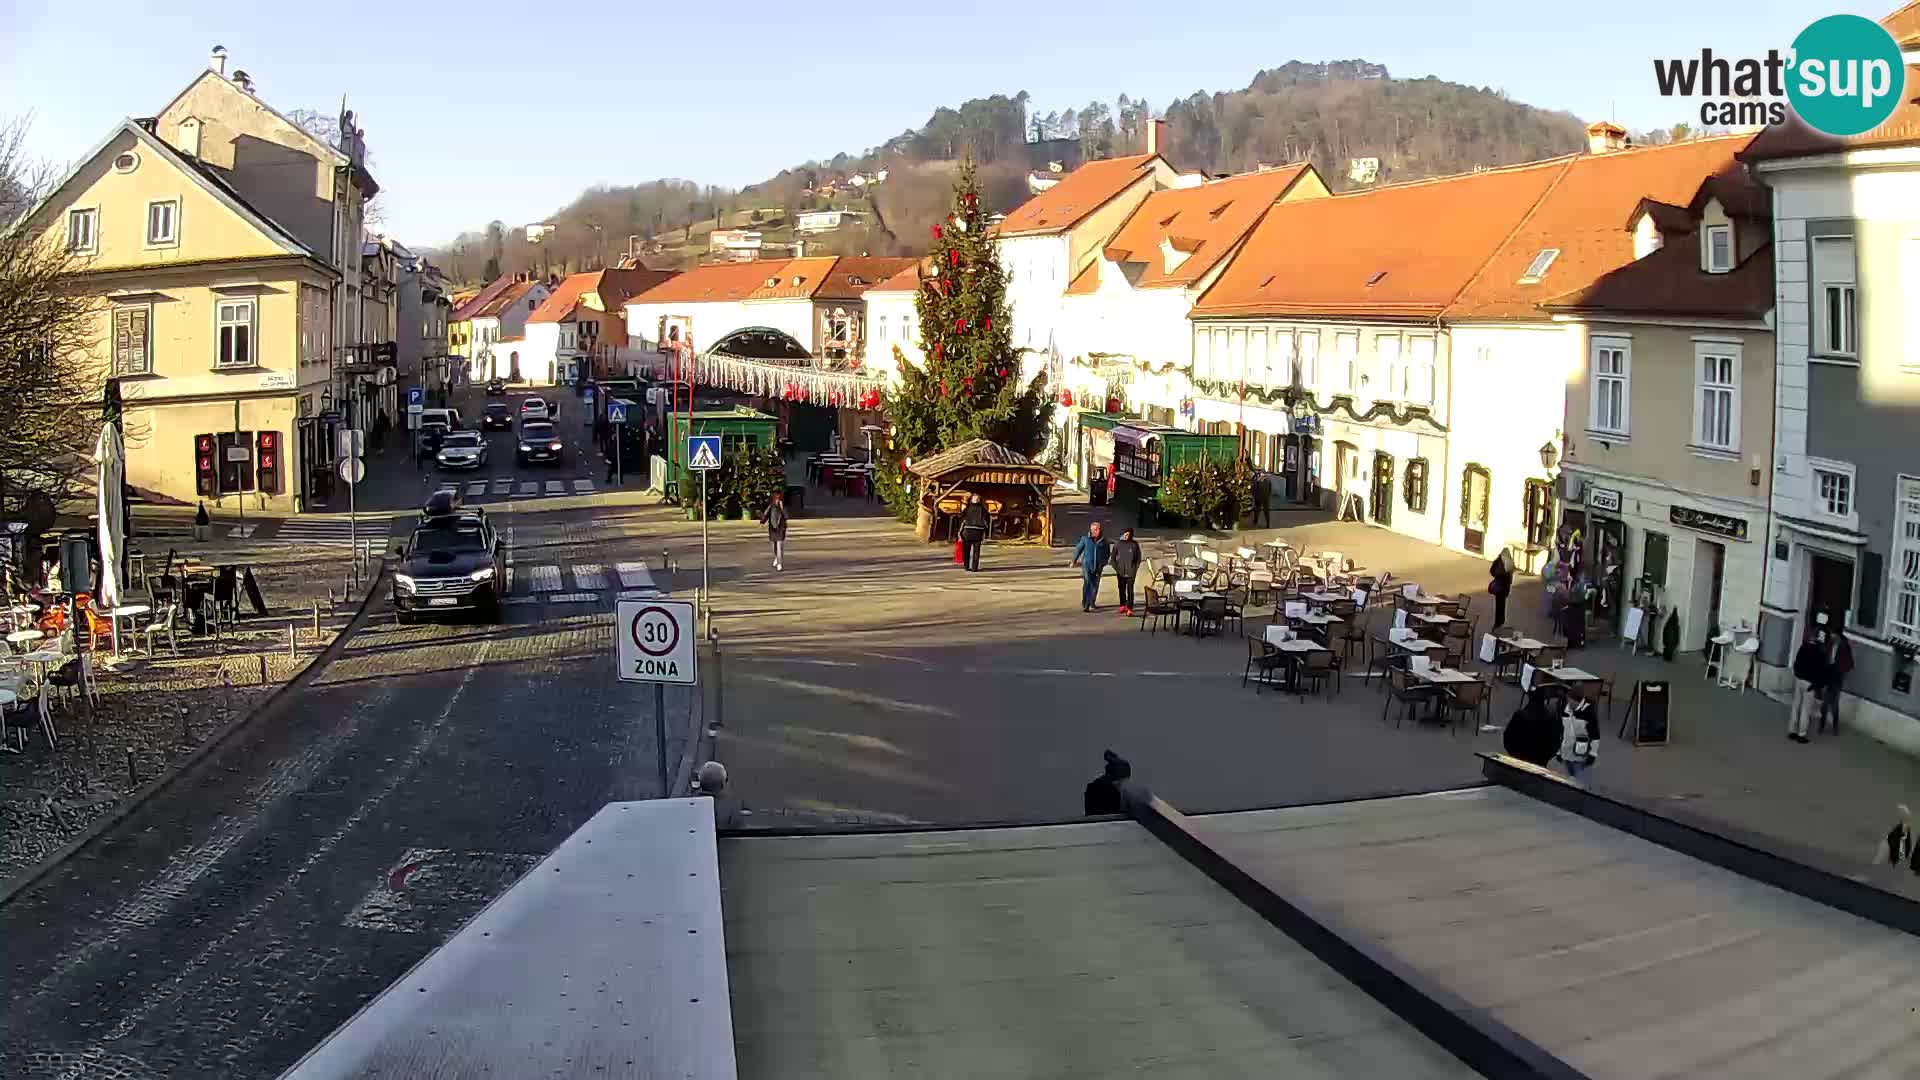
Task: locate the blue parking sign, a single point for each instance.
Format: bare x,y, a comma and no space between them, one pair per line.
416,397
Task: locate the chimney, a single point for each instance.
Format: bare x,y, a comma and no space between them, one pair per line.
1605,136
1156,135
244,81
218,60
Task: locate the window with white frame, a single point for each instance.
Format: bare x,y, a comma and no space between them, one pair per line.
1612,363
1386,353
1832,490
1716,397
880,329
1719,248
163,223
1237,355
1903,616
1259,370
1346,361
132,340
906,328
234,323
1308,349
83,231
1416,375
1222,362
1285,372
1835,297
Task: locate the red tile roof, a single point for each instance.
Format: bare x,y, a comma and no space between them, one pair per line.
1795,139
1670,282
1204,222
713,282
907,280
854,275
1405,250
1580,217
512,295
481,298
796,279
1904,25
1078,194
617,285
560,303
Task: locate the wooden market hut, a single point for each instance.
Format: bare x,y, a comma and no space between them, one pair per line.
1018,492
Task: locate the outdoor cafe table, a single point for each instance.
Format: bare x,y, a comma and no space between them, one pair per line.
1320,620
1292,649
24,637
1191,600
124,611
1567,675
1322,598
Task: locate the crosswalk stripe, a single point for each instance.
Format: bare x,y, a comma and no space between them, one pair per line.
589,576
503,485
634,575
543,578
477,487
333,530
530,487
583,487
573,598
555,487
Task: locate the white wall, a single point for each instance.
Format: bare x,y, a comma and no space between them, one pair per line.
1509,397
539,352
711,321
1037,281
888,315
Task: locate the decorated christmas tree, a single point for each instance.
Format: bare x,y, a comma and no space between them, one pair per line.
969,384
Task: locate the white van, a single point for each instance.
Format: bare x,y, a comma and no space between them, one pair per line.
449,417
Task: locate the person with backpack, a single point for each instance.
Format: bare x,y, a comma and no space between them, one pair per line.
974,522
776,518
1579,737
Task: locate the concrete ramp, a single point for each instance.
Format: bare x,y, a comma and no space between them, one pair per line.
605,960
1079,950
1621,957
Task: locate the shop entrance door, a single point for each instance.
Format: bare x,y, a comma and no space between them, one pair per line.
1829,589
1382,488
1475,499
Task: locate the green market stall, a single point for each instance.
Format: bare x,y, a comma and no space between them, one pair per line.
737,427
1142,451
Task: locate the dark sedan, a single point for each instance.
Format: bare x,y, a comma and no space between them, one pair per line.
497,416
496,388
538,442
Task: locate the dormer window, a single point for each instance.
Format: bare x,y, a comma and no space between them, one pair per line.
1171,256
772,282
1537,269
1646,237
1376,279
1718,249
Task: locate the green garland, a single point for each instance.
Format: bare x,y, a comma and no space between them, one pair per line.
1283,396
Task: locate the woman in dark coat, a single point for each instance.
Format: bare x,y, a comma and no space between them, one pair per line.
973,531
1126,564
1534,733
1499,585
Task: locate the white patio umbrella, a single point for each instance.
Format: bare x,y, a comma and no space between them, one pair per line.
110,462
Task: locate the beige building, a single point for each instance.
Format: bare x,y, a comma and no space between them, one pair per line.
1669,415
213,318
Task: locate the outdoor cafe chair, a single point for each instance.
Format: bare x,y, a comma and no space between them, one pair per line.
163,624
1339,647
1468,700
1262,661
1405,691
1237,609
1314,671
1158,608
1384,661
1212,612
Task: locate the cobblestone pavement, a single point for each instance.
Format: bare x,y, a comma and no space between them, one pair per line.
231,922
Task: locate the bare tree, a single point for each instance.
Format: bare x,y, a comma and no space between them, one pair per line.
50,377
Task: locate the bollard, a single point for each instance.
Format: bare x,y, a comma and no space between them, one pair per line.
226,684
263,668
331,602
186,729
133,773
316,621
293,652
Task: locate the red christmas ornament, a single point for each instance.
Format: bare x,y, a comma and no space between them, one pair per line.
936,232
1002,372
989,322
953,256
1066,398
960,326
970,199
943,388
939,350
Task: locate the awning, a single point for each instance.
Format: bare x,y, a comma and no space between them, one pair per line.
1134,436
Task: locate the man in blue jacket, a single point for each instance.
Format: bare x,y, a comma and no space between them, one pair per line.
1091,555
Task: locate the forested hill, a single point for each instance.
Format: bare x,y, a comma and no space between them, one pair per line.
1329,113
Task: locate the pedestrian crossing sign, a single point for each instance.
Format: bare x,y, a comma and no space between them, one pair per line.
703,452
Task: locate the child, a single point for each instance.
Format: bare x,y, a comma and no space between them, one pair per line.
1579,737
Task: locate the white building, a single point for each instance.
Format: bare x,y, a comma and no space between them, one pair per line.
892,319
819,221
1122,328
1846,460
500,329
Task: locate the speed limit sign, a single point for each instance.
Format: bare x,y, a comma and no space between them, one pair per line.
653,641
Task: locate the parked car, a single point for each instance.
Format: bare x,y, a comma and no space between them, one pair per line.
496,388
454,562
447,418
538,442
462,450
532,408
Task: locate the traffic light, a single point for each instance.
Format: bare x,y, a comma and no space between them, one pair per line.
267,459
205,480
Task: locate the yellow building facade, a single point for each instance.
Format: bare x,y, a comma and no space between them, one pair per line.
215,321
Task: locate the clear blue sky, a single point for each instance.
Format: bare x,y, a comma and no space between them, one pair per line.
484,109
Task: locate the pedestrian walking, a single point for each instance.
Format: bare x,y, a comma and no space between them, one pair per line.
1499,584
1534,731
1839,663
381,425
1899,842
1809,680
776,519
1091,555
1103,795
973,532
1262,499
1126,564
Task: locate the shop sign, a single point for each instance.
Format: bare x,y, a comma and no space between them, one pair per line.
1607,499
1306,425
1687,517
